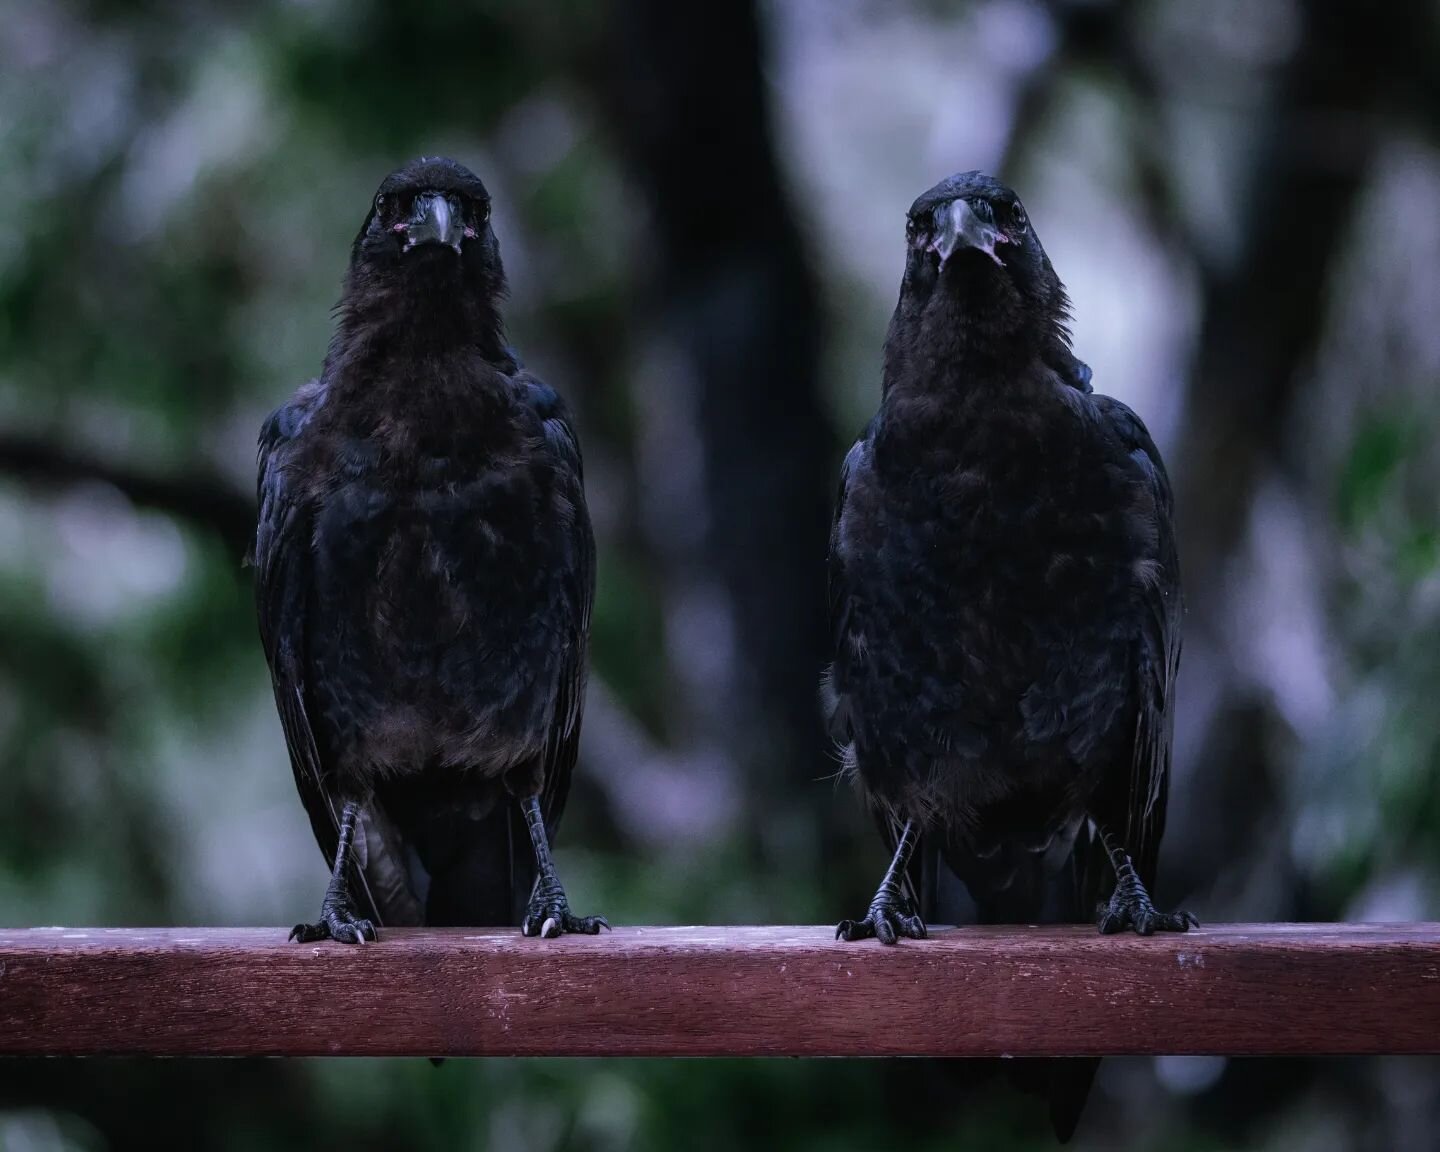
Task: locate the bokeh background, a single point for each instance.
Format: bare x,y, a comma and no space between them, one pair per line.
701,208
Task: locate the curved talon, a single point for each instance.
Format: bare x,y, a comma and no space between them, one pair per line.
1125,911
1130,905
354,931
553,918
339,925
885,923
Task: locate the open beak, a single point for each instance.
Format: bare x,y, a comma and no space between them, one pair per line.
433,221
958,226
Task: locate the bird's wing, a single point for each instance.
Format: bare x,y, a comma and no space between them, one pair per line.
839,592
837,710
1157,647
282,563
1073,371
563,742
1133,803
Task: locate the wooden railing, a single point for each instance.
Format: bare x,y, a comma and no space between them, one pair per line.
1235,989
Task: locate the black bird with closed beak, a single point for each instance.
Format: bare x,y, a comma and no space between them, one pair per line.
424,571
1005,605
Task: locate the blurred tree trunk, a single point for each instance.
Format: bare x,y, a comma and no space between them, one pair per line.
1263,314
738,456
1263,317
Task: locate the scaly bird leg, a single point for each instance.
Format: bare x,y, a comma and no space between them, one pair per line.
1130,905
890,915
338,919
549,912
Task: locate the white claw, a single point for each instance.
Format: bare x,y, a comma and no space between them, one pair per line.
550,928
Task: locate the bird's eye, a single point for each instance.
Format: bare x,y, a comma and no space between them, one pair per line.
1017,218
379,204
485,212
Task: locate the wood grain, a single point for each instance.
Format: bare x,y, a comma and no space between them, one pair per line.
1238,990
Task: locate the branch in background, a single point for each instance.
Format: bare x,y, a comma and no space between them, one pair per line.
205,500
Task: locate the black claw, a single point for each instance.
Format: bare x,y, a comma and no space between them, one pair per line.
1130,907
337,911
885,922
549,916
337,922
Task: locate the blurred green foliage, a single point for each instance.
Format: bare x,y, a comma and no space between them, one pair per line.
181,186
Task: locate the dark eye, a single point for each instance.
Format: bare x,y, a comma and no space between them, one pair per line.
1017,218
485,212
380,204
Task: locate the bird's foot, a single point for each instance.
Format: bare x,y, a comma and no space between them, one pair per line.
887,920
549,915
1130,907
338,921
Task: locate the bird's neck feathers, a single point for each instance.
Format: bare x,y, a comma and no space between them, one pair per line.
430,314
420,369
957,339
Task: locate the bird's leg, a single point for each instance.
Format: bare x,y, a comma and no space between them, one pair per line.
549,912
338,920
1130,905
890,914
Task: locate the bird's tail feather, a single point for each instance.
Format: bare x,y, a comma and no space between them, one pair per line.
945,899
466,859
486,877
463,864
385,883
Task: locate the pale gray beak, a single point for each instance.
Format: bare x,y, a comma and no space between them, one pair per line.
433,221
957,226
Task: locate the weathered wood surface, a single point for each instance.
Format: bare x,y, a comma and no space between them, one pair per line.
1237,989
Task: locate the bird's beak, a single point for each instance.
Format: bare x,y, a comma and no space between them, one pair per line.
958,226
433,221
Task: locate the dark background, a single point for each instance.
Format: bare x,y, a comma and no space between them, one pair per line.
701,207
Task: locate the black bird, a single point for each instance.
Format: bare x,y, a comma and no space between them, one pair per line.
1005,603
424,575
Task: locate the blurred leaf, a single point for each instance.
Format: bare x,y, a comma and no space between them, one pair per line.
1380,445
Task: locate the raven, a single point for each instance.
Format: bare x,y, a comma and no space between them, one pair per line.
1005,603
424,572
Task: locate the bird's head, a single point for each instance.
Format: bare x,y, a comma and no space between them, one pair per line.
972,247
426,247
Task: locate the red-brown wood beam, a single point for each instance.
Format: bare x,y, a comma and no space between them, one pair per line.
1235,989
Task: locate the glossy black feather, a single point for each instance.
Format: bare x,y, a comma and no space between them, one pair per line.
1004,598
424,577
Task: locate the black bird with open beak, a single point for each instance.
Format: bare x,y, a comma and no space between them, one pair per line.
434,219
424,575
1005,605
